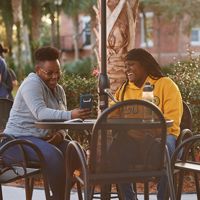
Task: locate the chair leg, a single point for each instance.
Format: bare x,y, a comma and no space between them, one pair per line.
1,194
135,188
180,185
119,191
197,185
92,192
105,192
171,188
169,176
69,185
88,192
196,177
146,190
29,188
80,197
166,196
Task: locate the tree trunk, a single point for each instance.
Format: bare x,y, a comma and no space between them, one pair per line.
158,37
6,11
36,11
93,35
76,38
9,33
53,29
18,21
121,23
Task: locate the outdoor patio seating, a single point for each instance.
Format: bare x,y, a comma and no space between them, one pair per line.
13,169
120,131
187,163
186,127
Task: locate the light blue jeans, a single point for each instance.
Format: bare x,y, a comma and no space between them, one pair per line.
127,189
162,185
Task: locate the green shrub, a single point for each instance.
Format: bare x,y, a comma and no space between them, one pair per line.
74,85
186,74
81,67
28,68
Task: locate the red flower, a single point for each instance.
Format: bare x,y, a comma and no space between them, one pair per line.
95,72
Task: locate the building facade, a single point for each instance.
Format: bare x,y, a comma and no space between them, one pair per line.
168,41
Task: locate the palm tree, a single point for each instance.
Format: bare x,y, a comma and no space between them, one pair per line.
18,21
121,23
49,9
23,17
32,14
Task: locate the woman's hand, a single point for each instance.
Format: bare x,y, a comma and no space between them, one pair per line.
82,113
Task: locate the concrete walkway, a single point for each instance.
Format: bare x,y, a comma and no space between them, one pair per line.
13,193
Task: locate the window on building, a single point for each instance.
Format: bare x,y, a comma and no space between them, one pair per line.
147,38
195,36
86,34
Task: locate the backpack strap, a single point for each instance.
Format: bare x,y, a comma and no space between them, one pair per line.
123,89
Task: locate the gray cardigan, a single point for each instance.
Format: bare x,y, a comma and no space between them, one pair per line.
35,101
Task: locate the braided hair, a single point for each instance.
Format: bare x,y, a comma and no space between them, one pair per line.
149,63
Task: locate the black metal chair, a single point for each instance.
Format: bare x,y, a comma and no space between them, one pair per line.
186,124
5,107
22,169
125,146
185,127
187,163
12,169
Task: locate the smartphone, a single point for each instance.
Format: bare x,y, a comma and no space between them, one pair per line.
86,101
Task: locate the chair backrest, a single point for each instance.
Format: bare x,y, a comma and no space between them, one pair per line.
5,107
186,120
124,140
14,167
185,125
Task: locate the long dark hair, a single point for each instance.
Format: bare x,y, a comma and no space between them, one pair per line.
147,61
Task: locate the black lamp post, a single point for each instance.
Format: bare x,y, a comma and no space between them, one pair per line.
58,4
103,81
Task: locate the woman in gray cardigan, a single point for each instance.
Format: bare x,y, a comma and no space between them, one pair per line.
41,97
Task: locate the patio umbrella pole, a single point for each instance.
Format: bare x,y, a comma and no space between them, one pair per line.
103,81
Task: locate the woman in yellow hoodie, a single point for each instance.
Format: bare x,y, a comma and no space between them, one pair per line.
141,67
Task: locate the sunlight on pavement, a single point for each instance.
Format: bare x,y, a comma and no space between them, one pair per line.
13,193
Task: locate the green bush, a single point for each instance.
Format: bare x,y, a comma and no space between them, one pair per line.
74,85
81,67
186,74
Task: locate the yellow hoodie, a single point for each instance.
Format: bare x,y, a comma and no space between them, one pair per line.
166,96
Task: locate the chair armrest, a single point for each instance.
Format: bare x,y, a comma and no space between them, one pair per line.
74,149
186,145
185,133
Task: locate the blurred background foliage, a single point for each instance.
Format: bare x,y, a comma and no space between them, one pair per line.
82,67
186,75
74,85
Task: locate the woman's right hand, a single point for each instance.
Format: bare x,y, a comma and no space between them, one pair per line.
82,113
